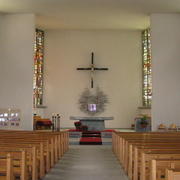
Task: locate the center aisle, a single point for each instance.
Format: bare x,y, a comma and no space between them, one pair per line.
87,162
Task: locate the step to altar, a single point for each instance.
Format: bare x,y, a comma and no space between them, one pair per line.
90,141
91,138
106,136
91,134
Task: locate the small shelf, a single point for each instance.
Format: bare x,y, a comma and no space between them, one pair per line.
40,107
144,107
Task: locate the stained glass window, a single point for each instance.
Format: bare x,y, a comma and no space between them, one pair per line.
147,72
38,68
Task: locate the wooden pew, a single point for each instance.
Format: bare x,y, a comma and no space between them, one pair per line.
141,139
173,174
57,144
140,136
6,172
158,167
147,157
122,154
49,147
63,138
16,164
124,144
29,155
138,166
135,157
37,154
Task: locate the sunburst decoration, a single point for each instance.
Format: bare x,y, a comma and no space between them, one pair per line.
98,100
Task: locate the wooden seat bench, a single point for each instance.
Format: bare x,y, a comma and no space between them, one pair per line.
144,167
136,150
56,144
173,174
43,149
6,167
158,167
37,154
137,162
32,163
16,164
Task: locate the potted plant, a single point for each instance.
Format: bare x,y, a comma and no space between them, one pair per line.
144,121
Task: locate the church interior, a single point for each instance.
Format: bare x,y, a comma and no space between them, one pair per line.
89,90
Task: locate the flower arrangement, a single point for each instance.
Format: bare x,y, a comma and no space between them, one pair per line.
144,121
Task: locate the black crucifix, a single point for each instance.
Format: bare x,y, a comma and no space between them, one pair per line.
92,68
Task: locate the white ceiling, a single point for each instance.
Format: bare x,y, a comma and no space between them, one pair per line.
91,14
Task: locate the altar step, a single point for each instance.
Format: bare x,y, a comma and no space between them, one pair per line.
91,134
75,136
91,138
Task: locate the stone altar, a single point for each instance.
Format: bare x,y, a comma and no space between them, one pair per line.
93,123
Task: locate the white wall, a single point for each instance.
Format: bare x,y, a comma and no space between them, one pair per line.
166,69
16,64
120,51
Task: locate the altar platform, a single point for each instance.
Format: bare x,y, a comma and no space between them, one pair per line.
93,123
106,135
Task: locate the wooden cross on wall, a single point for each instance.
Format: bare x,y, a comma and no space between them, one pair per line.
92,68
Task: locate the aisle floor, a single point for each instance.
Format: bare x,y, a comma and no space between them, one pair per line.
87,162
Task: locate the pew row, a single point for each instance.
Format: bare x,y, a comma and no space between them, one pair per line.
136,150
42,149
158,168
173,174
6,167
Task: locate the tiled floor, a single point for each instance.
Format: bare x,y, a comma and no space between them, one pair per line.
87,162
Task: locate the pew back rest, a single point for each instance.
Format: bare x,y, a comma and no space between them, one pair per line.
173,174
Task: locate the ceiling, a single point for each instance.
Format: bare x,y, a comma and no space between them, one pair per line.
91,14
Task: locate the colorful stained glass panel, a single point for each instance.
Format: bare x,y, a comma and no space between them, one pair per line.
38,68
147,71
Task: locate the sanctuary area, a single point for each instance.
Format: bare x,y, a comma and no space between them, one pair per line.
89,89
